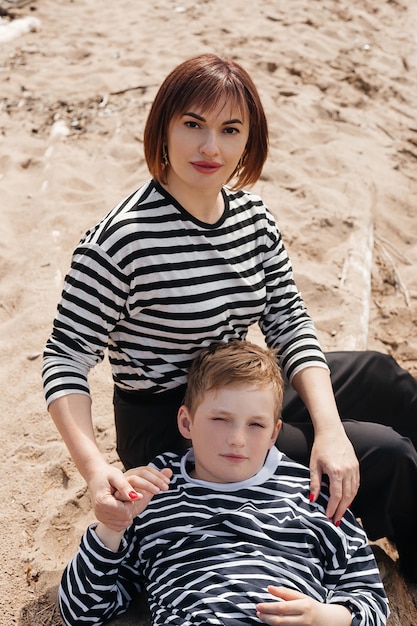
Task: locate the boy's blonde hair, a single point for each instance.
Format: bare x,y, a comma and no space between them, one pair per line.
234,364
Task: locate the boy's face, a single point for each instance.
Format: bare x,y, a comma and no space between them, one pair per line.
231,432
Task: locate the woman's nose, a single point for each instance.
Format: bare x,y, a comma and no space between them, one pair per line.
209,145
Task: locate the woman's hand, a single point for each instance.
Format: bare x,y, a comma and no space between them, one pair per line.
333,454
118,497
115,512
143,482
296,609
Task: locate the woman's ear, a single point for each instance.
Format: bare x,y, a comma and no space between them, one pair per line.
184,422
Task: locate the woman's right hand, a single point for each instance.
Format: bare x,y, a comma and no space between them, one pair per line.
72,416
116,496
115,512
112,492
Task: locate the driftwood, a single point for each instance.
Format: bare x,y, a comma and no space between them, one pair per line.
7,6
383,245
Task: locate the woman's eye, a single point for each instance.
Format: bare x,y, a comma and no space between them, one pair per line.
231,131
192,124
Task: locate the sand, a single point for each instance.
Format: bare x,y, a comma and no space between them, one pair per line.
339,84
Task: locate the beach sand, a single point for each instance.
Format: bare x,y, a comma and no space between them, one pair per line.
339,84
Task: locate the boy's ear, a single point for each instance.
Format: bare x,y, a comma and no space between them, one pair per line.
184,421
276,432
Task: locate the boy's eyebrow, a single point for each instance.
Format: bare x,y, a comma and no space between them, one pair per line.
225,413
203,119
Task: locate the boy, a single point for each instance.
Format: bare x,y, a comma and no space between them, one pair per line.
227,534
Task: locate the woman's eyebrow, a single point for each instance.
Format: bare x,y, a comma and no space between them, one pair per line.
203,119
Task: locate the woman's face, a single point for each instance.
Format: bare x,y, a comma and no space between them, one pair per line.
204,147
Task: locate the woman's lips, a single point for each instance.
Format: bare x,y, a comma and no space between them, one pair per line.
206,167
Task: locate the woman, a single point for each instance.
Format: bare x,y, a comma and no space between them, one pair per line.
185,262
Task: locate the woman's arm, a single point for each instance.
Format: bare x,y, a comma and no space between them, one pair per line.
332,452
72,417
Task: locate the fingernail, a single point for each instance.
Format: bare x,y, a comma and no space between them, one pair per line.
311,497
337,523
133,495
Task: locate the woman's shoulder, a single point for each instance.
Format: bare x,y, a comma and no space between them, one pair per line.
248,207
243,196
244,199
146,206
139,204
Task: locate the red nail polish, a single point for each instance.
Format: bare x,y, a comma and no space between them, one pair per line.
311,497
337,523
133,495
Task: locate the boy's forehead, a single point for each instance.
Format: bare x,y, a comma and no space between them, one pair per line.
232,398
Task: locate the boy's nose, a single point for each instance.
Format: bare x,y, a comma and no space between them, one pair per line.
236,438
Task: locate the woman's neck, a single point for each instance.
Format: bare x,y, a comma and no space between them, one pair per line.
206,206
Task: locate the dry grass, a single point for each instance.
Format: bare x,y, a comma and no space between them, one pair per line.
41,612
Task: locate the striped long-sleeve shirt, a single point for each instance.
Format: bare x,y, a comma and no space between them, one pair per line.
155,285
205,552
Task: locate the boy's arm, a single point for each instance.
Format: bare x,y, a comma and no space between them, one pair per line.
98,583
356,595
294,604
348,610
360,588
110,538
101,580
358,585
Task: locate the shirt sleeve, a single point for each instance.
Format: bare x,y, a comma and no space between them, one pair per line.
93,298
359,586
98,584
286,324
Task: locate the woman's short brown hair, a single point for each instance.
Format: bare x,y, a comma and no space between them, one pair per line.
232,364
204,81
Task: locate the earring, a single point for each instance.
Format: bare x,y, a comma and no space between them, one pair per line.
165,161
239,167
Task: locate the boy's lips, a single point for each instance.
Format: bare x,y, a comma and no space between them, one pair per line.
206,167
234,458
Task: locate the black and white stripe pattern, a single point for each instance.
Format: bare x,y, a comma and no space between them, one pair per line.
155,285
208,551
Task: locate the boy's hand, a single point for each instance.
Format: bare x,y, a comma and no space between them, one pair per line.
297,609
146,482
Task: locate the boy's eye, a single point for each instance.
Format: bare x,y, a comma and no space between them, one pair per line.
257,424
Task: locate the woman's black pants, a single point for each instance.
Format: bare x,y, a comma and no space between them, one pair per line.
377,401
